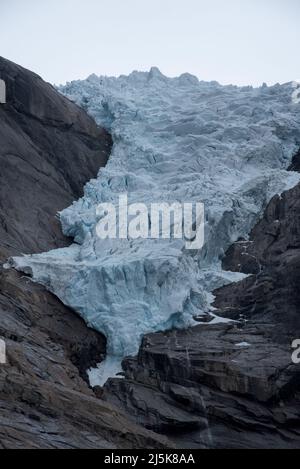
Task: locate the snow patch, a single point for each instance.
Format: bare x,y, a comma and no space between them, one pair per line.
109,368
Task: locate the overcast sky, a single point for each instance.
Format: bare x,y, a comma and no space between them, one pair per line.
232,41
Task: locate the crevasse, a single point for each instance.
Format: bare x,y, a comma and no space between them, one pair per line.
175,139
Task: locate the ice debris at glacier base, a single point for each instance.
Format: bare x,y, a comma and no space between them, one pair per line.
175,139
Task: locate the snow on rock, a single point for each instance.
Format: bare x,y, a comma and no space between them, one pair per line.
243,344
175,139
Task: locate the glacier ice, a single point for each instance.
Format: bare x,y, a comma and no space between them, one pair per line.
175,139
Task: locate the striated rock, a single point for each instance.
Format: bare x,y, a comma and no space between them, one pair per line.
48,149
152,408
224,385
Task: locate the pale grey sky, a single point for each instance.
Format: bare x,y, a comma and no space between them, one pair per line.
232,41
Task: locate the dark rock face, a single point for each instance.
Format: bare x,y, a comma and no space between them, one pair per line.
218,386
295,166
230,385
272,295
48,149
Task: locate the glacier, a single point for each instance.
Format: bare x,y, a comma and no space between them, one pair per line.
175,140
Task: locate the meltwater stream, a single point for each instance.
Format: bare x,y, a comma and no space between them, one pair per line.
175,139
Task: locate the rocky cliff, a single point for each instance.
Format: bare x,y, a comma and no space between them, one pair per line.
49,148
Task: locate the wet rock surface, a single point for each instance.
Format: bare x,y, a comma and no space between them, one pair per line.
234,383
48,149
